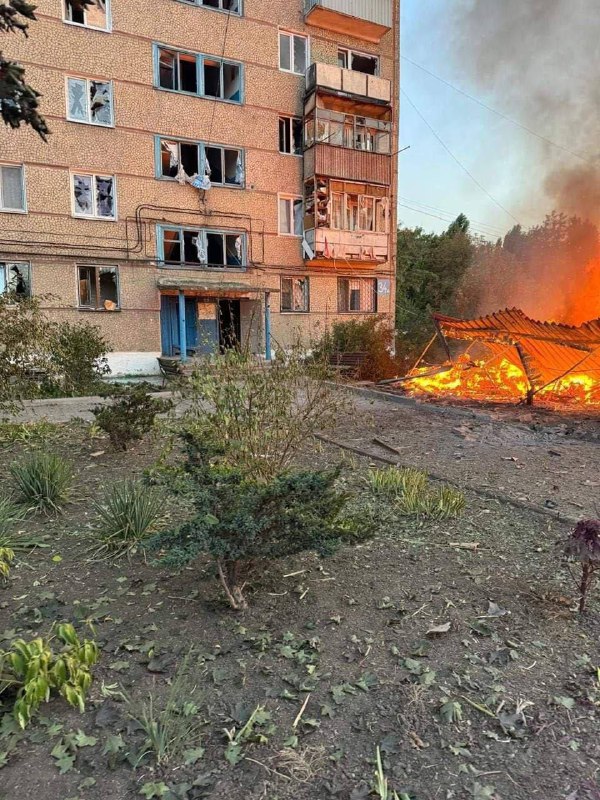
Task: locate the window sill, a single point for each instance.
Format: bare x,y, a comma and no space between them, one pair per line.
87,27
287,311
88,122
94,219
210,8
13,211
89,310
200,96
291,72
296,155
235,186
200,267
291,235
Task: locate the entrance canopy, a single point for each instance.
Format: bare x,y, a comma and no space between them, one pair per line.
201,287
546,351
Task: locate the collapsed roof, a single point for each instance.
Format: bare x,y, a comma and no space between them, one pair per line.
545,351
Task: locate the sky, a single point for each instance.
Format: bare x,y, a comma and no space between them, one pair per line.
504,160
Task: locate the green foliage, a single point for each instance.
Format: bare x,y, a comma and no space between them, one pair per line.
43,481
412,494
260,414
130,415
128,514
7,556
10,514
33,670
28,432
239,520
254,729
368,335
78,354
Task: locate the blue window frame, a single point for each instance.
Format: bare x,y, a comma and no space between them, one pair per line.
197,74
179,159
201,248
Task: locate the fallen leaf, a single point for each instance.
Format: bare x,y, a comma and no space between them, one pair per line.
435,630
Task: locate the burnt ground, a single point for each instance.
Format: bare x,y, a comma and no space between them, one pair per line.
349,633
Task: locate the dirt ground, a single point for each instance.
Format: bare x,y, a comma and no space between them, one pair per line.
467,666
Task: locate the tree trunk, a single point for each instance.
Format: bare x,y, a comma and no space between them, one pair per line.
229,575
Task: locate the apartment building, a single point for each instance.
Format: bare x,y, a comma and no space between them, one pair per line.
219,171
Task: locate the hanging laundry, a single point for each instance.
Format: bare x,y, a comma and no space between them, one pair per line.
202,181
182,176
172,148
198,242
327,249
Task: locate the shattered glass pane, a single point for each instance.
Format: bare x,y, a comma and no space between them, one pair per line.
82,191
77,99
169,158
15,277
234,250
167,78
299,55
100,103
109,295
105,205
232,81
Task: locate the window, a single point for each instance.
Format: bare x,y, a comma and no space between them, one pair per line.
295,294
358,62
12,188
98,288
90,101
233,6
357,294
94,196
96,15
290,216
290,135
346,206
15,278
209,249
293,53
224,166
197,74
347,130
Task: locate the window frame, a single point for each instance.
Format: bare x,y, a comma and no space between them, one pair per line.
200,59
292,34
180,229
350,51
306,280
362,281
89,121
200,4
97,268
289,120
94,176
291,199
201,145
4,209
68,21
4,265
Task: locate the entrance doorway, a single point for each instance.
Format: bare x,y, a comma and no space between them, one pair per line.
169,325
230,328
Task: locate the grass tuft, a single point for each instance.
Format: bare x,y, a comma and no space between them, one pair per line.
129,513
412,494
43,482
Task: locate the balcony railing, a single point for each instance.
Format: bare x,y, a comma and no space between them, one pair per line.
348,130
353,246
365,19
346,81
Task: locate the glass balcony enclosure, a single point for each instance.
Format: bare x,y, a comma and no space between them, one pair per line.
347,130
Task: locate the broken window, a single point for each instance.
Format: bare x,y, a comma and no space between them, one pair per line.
94,196
366,213
98,288
290,135
179,72
225,164
290,216
12,188
358,62
293,53
90,101
357,294
294,294
15,278
233,6
96,15
216,249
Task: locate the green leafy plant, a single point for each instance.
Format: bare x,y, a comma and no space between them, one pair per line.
413,495
240,521
7,556
380,783
78,355
43,481
368,335
129,513
583,546
130,415
33,670
253,730
173,731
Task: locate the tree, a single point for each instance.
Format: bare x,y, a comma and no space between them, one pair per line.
19,102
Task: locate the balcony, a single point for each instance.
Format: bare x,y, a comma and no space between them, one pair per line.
360,249
329,77
369,20
350,165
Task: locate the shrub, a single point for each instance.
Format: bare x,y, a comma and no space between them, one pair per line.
583,546
78,354
43,481
33,670
369,336
130,415
128,514
239,520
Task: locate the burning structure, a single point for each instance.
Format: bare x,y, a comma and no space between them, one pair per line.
511,355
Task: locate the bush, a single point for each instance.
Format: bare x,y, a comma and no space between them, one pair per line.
128,514
43,481
239,520
130,415
32,670
369,336
78,355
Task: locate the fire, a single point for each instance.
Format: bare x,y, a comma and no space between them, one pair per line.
585,304
499,380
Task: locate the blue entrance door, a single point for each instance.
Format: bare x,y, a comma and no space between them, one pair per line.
169,325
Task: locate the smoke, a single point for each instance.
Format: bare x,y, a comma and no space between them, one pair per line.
538,61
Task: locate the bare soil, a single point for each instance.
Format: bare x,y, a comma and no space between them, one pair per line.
352,633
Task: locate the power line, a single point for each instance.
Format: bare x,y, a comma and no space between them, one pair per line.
451,214
445,219
498,113
460,164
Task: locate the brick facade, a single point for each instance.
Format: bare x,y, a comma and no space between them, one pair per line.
56,242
